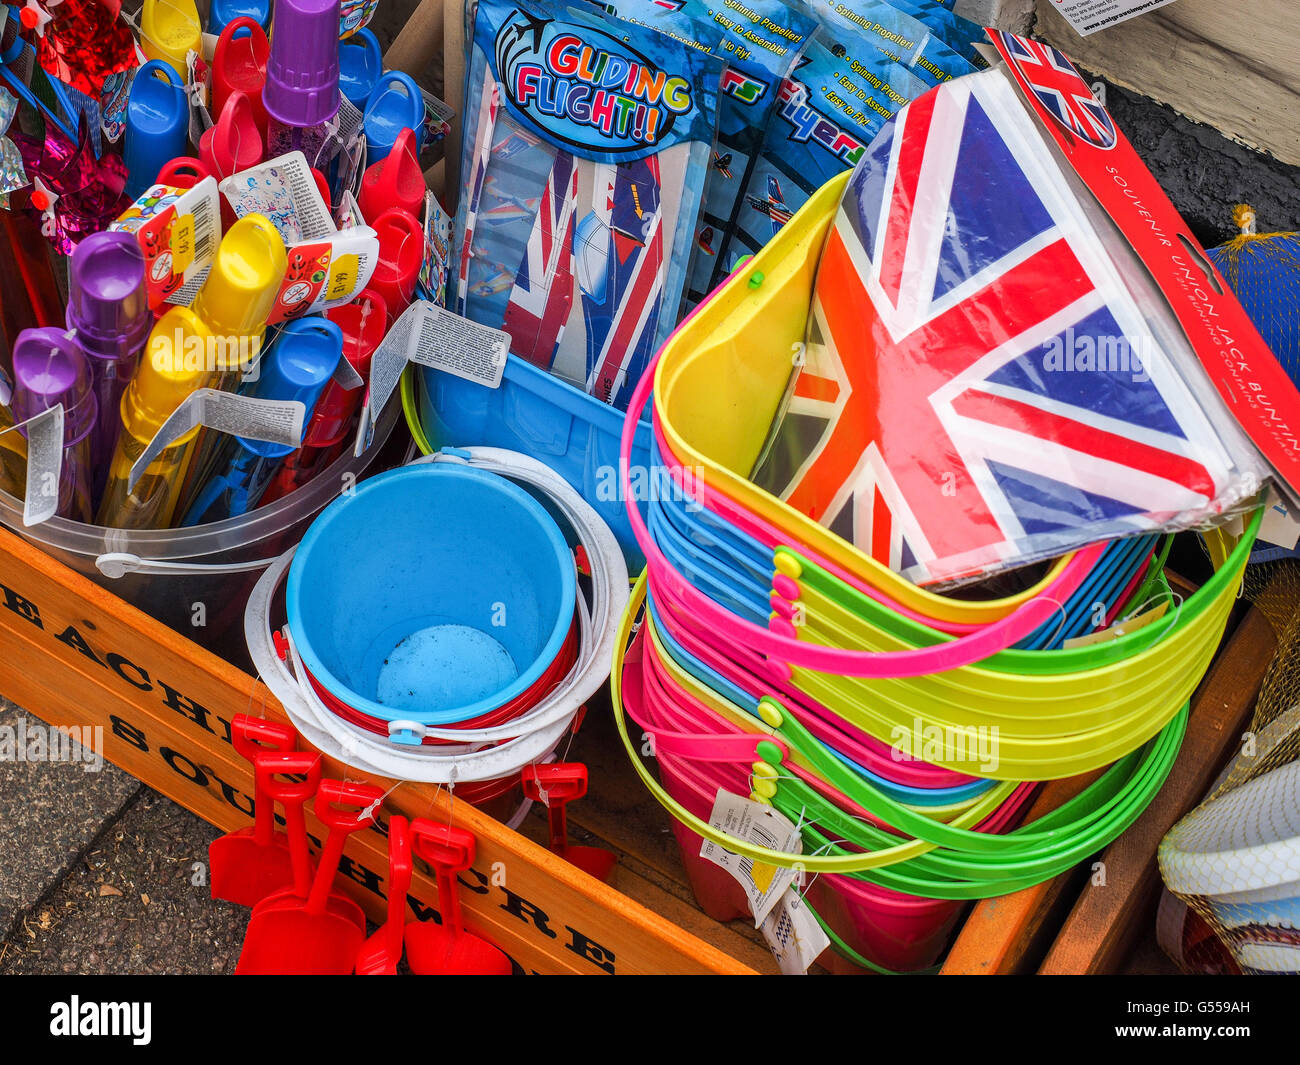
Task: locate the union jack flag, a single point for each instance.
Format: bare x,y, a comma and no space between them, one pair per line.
542,295
929,424
1060,89
621,305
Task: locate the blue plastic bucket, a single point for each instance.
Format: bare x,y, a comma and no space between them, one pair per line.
548,419
433,593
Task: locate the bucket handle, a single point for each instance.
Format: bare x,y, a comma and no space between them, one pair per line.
116,564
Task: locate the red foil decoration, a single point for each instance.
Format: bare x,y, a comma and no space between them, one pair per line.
83,44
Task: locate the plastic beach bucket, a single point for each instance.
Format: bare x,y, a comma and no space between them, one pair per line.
170,573
435,593
542,416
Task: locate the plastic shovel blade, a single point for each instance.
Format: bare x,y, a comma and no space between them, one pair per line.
322,934
446,949
245,872
435,950
249,864
595,861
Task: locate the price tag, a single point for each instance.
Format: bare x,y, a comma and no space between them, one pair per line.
44,434
433,336
795,936
759,824
269,420
1089,16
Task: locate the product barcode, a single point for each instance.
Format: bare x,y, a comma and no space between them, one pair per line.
761,835
203,235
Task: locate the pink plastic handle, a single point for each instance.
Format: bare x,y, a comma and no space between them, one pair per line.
962,651
705,781
767,535
827,727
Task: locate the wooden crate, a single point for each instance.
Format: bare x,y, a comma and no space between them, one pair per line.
75,654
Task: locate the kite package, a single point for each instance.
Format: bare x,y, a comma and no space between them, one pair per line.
899,35
761,42
585,159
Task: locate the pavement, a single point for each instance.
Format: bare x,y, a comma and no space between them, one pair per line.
99,874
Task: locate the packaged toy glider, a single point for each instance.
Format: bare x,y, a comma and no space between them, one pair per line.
992,377
826,113
892,32
586,151
761,43
957,33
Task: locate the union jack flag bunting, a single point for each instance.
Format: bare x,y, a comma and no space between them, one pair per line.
543,290
1060,89
946,420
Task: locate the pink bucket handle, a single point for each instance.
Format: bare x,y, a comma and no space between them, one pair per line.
758,529
706,747
962,651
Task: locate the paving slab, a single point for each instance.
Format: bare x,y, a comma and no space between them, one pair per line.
50,811
137,902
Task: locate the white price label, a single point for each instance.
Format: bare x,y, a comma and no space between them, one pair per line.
269,420
44,433
761,825
794,935
284,191
1089,16
430,335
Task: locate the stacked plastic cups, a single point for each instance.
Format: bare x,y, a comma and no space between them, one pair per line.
438,629
902,733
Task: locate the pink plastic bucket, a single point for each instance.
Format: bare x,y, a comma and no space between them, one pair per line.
894,930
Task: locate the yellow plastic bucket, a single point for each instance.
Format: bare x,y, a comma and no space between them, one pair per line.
720,381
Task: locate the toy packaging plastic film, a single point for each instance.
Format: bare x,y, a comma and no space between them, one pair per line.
825,115
761,44
894,33
949,442
587,146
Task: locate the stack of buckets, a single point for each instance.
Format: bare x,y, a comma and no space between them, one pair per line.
436,627
901,732
456,607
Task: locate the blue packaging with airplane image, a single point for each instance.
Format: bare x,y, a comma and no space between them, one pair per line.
827,112
760,41
586,150
894,33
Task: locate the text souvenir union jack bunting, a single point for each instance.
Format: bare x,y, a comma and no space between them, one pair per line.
982,387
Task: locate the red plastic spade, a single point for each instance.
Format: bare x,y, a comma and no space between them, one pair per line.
251,863
555,785
317,933
382,951
394,181
446,949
